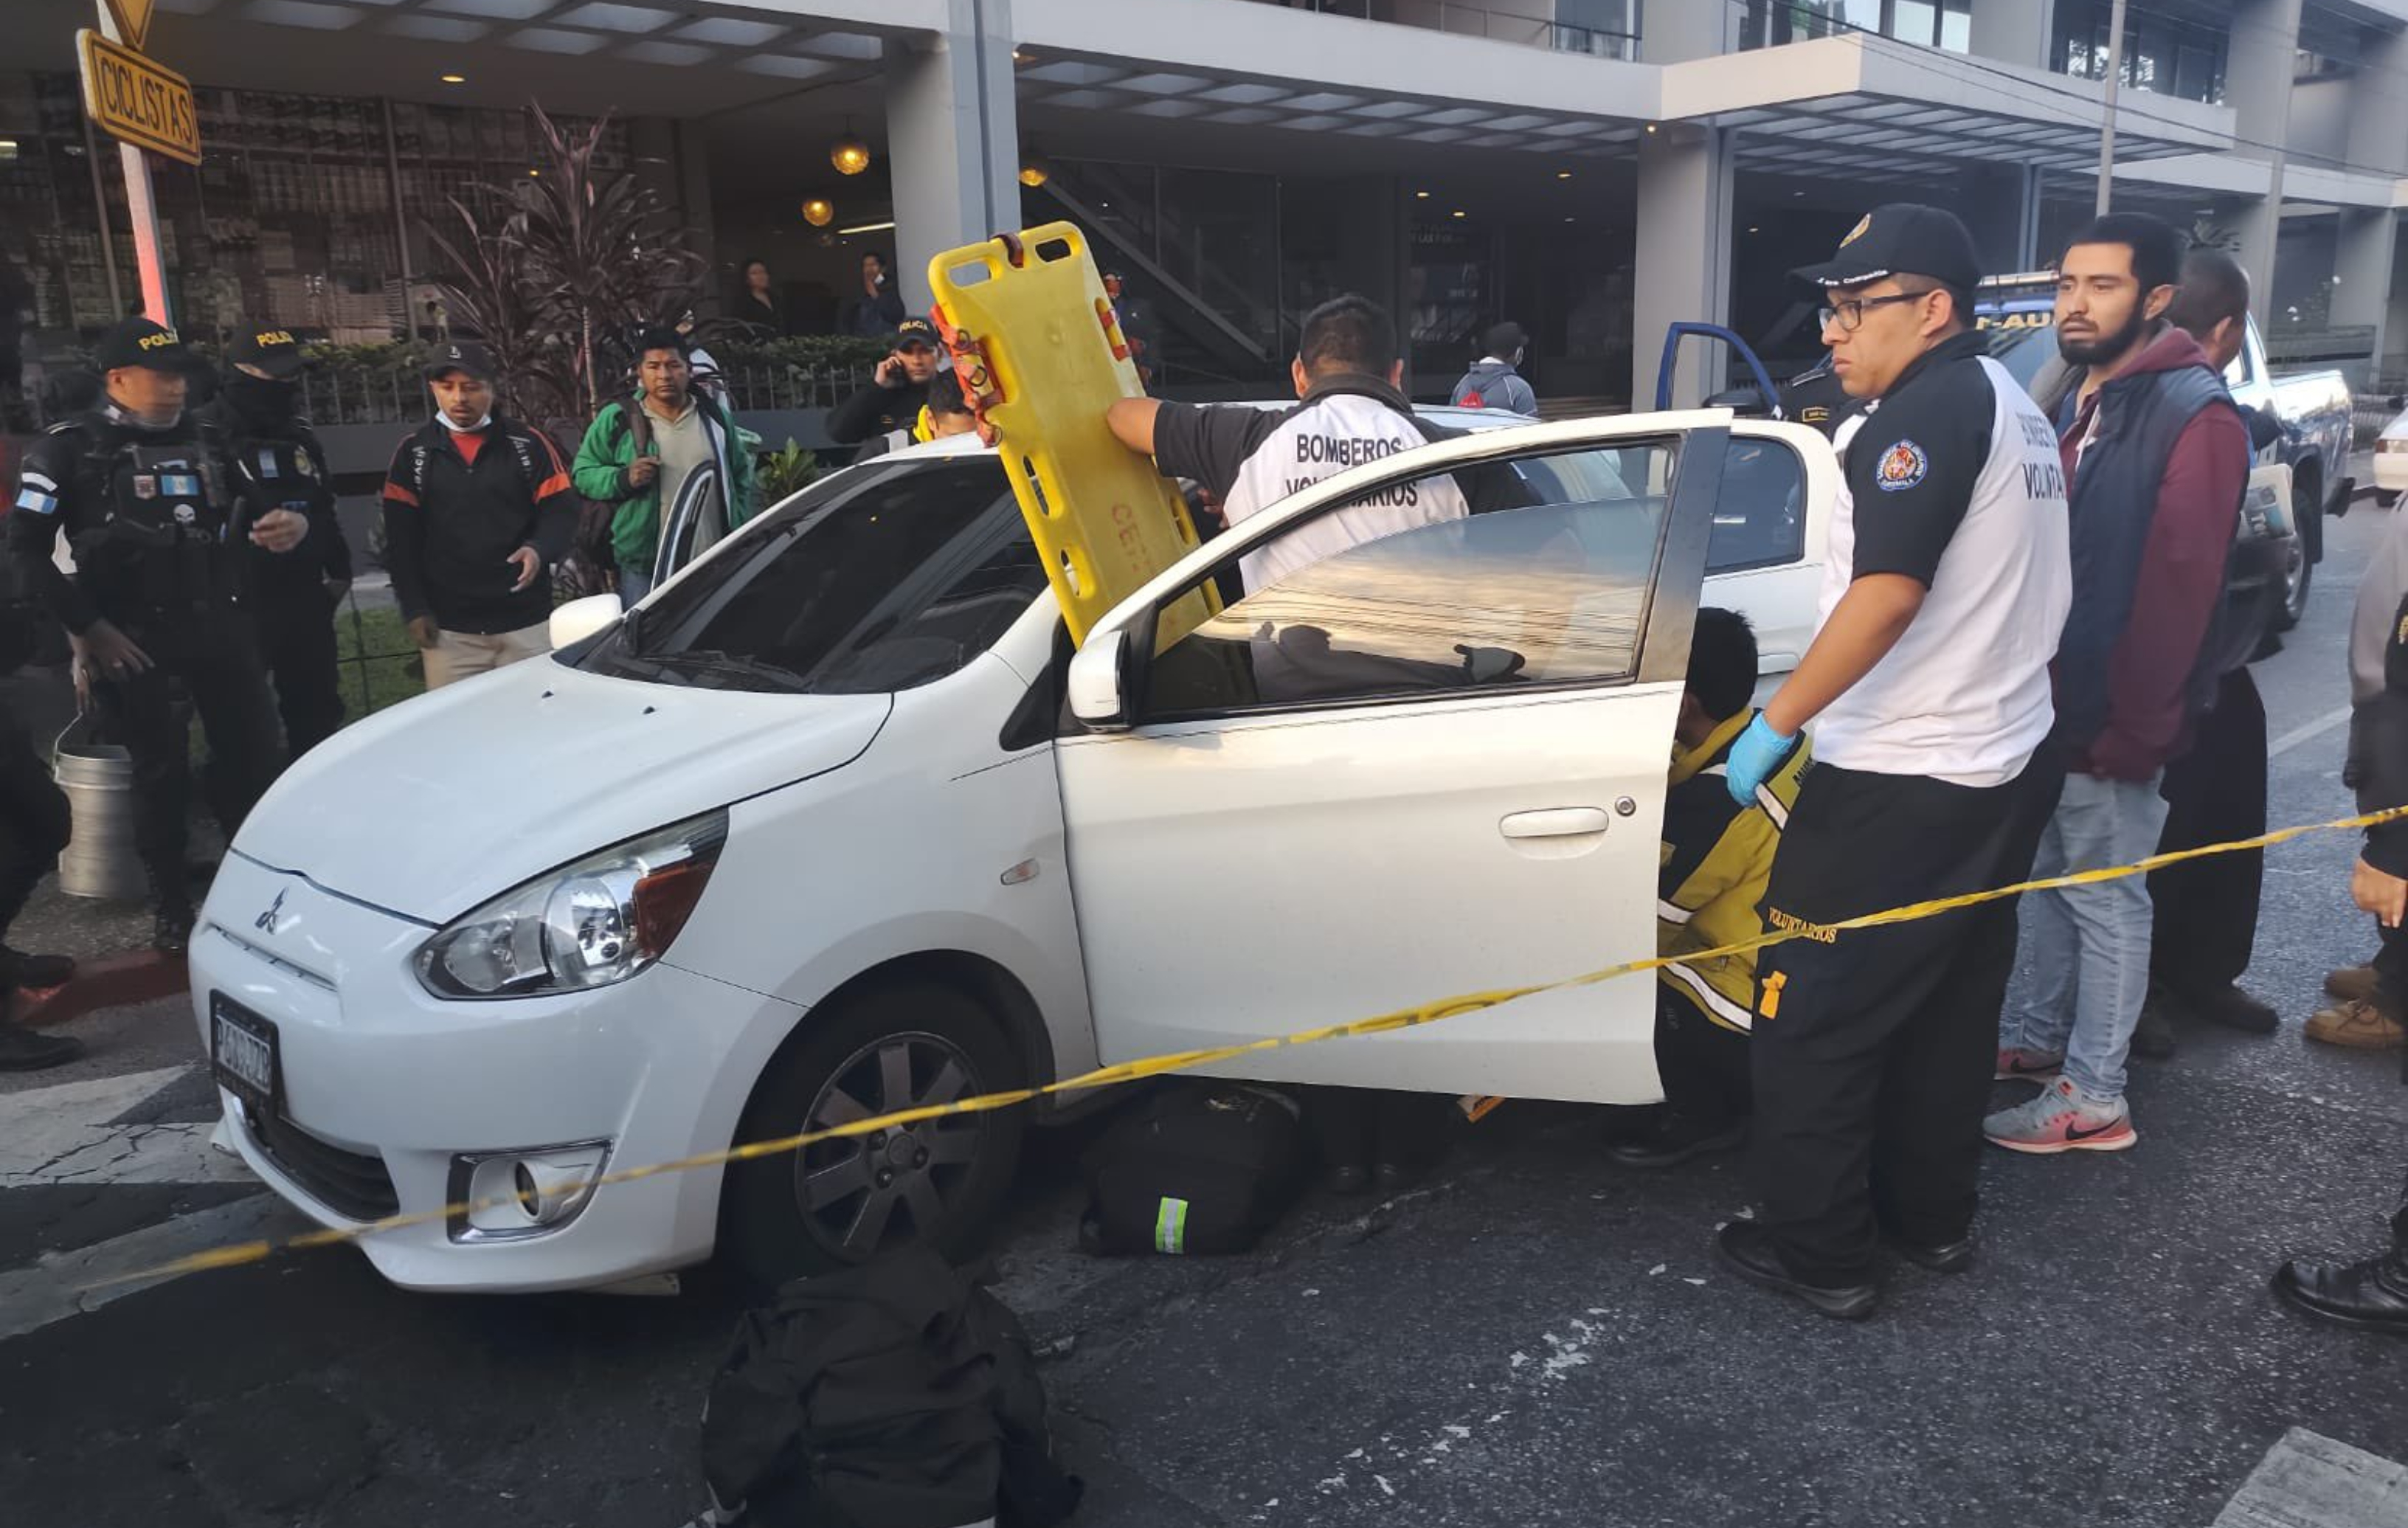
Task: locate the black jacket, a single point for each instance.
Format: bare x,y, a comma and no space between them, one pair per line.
268,457
65,485
875,410
451,525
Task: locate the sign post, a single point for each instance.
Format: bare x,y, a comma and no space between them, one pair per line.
148,108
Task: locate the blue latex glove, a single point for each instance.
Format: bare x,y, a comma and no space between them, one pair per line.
1754,758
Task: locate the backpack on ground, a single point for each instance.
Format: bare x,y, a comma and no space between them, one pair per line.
1200,1168
891,1395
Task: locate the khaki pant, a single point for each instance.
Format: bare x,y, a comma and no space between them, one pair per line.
462,654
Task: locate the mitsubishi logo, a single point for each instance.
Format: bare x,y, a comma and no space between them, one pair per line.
265,922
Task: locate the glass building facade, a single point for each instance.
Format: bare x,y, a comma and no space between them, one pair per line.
307,211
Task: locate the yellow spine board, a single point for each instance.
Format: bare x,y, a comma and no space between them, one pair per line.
1040,358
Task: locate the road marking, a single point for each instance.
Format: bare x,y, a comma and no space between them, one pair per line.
62,1284
63,1134
2308,1480
2308,732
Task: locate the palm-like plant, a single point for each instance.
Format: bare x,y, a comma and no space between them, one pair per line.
557,271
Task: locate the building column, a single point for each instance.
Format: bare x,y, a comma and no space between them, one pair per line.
2018,34
2362,294
2255,221
2378,104
953,139
2258,70
1682,268
2001,204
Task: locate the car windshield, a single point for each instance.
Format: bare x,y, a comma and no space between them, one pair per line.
884,578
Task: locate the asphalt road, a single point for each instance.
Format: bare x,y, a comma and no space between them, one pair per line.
1535,1338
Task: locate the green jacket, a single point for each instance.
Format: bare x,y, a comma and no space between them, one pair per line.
600,472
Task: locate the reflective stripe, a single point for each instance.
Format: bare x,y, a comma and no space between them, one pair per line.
1716,1003
1673,911
34,501
1772,807
32,479
1170,1226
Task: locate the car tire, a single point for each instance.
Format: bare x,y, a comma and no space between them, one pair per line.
2307,516
842,1202
2387,498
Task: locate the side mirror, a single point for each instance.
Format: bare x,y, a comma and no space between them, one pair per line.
578,619
1095,682
1747,402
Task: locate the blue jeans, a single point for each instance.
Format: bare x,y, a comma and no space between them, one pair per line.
633,583
2090,943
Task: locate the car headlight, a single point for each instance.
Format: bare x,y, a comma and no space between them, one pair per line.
587,924
2390,443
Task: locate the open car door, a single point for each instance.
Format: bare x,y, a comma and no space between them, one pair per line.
1431,763
696,523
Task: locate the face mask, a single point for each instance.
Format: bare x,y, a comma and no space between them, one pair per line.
464,429
263,399
166,421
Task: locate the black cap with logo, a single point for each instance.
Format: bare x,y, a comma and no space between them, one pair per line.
272,351
460,355
916,331
139,342
1902,239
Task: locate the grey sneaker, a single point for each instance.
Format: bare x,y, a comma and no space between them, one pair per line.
2062,1118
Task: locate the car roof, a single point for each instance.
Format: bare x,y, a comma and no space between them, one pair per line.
1446,414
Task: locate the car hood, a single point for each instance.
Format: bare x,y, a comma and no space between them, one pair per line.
436,805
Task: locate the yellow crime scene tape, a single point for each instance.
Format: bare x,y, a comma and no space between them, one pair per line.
244,1253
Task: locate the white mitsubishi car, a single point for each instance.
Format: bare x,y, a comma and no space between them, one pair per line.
835,822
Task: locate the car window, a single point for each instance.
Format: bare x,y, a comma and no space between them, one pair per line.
2025,349
1550,591
885,577
1760,513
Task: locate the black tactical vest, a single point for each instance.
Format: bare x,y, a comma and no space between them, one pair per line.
165,517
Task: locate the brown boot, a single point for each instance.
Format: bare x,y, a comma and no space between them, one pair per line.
2359,1025
2351,984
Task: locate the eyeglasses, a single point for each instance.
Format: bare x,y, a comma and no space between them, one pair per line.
1849,313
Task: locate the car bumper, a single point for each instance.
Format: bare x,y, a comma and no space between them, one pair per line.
384,1087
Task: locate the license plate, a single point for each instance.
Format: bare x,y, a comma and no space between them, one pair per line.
242,1050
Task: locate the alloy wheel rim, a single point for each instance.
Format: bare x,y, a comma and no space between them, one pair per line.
860,1194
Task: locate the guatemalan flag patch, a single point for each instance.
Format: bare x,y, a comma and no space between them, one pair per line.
37,494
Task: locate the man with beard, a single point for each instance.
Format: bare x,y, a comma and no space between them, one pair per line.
278,464
2157,456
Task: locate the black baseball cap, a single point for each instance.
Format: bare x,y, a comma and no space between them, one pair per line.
1900,238
272,351
916,331
139,341
461,355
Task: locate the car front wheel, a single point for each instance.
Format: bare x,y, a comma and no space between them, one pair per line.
840,1201
2300,569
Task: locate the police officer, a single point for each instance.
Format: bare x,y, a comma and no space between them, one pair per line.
1816,397
143,490
1948,582
292,597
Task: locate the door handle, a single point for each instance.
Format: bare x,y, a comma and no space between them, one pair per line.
1555,822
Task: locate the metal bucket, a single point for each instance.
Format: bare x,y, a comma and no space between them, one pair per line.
100,860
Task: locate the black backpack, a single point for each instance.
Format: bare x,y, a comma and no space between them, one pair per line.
897,1394
1200,1168
593,551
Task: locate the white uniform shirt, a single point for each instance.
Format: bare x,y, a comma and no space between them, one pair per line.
1952,478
